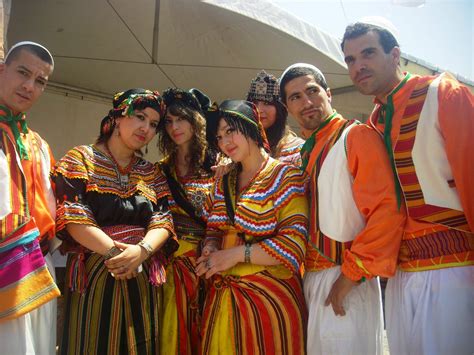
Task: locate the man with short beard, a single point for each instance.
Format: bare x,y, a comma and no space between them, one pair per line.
427,125
355,227
27,209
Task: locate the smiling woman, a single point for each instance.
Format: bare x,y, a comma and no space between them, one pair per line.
115,224
255,244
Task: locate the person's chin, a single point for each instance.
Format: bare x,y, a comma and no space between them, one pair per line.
20,107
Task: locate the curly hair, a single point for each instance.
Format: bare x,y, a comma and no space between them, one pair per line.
200,160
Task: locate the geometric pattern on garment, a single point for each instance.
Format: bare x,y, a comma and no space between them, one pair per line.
429,156
339,217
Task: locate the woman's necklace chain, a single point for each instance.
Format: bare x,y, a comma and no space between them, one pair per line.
123,171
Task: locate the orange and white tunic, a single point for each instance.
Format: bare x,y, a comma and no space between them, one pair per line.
429,300
356,229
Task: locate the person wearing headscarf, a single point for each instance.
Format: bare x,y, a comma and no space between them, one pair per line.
285,145
187,168
27,209
427,126
114,220
255,243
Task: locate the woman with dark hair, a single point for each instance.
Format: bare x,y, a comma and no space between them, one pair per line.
114,220
285,145
186,165
257,217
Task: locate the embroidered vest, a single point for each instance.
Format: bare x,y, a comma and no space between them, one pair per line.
25,282
422,166
16,224
321,222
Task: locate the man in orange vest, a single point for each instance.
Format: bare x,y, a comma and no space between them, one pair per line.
427,125
351,239
27,209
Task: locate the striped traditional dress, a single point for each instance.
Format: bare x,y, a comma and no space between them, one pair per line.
254,309
288,149
103,315
183,290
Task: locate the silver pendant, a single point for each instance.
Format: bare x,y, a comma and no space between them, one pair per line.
123,179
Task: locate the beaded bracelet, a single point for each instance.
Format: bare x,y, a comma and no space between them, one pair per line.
248,249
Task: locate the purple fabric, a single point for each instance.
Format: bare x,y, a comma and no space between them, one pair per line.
20,261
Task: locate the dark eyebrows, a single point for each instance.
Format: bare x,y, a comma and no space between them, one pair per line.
368,50
22,67
312,86
292,95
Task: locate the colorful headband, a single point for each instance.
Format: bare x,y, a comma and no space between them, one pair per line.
125,103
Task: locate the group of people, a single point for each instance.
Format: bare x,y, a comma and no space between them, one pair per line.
244,238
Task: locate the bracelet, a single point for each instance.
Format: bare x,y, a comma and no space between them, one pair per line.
114,251
145,245
248,249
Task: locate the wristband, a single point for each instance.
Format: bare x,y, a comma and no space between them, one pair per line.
114,251
248,249
145,245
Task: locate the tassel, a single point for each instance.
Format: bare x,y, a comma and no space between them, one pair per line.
157,270
77,274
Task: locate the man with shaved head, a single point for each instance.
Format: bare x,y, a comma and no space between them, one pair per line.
27,208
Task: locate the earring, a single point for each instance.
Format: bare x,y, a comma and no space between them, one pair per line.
146,149
117,132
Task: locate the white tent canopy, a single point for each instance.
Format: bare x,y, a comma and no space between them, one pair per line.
218,46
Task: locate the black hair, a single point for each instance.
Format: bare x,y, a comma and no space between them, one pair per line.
249,130
296,72
386,39
279,129
41,53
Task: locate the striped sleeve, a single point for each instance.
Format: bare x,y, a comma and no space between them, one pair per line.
291,209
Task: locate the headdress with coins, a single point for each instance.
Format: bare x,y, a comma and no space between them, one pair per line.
264,87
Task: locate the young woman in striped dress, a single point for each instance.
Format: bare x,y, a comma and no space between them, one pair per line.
186,167
255,244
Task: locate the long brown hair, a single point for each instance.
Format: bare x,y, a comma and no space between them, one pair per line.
199,159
